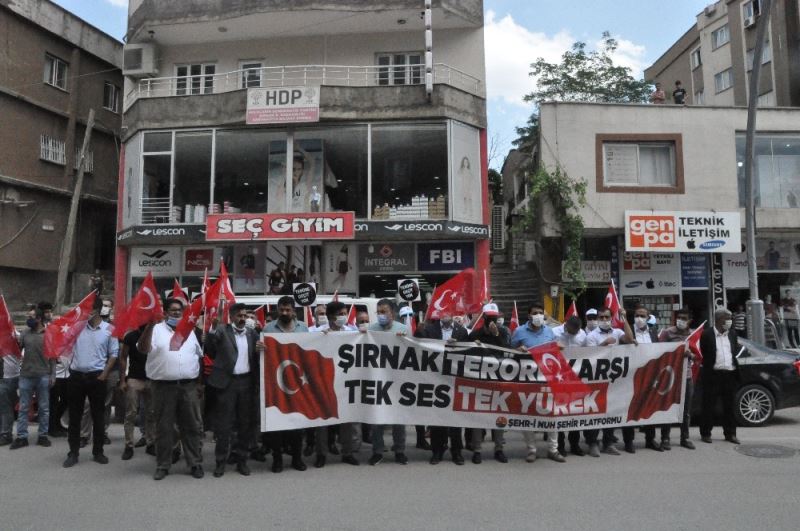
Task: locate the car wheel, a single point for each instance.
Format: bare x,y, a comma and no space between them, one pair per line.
754,406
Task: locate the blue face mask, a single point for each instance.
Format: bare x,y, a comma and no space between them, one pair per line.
173,321
31,322
383,320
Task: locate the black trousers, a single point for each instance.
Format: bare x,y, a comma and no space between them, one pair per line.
58,404
80,386
233,409
573,437
292,440
718,384
439,436
177,403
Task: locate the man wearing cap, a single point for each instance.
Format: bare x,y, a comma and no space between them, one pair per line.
534,333
591,320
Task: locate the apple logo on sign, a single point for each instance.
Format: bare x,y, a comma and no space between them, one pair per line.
651,284
690,244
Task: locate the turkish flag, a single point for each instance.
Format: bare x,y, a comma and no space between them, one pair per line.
693,341
186,325
261,315
144,308
178,293
309,316
556,369
217,298
411,323
62,333
299,381
351,316
513,324
612,303
461,294
572,310
657,385
8,332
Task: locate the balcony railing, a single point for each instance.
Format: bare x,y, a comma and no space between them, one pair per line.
279,76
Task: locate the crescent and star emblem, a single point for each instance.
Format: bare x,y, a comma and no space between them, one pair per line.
657,382
546,359
152,303
437,304
279,377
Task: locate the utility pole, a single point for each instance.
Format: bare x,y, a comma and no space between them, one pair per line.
755,307
69,236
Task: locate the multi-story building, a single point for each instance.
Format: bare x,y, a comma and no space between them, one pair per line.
308,133
58,68
666,159
713,59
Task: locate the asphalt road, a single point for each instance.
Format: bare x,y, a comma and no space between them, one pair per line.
714,487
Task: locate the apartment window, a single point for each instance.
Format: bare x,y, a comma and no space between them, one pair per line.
55,72
723,80
400,69
720,36
88,166
766,56
696,60
767,99
776,169
750,9
195,79
251,74
639,163
52,150
111,97
699,97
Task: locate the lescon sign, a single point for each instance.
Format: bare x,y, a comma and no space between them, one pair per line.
305,226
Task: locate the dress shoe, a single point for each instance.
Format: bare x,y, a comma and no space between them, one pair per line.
350,460
308,450
436,458
531,457
100,458
160,474
476,458
277,465
127,453
319,462
629,448
150,450
651,445
666,445
83,442
219,470
686,443
176,455
610,449
375,459
422,444
706,439
197,472
106,440
43,440
70,461
458,458
242,468
500,456
594,450
298,464
19,442
577,450
332,449
733,439
258,455
557,457
400,458
141,442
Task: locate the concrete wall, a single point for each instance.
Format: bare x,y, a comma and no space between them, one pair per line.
716,60
709,156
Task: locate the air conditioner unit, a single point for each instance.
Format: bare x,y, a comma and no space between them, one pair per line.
139,60
710,9
749,22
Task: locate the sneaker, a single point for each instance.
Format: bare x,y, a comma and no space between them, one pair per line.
141,442
350,460
610,449
44,441
557,457
666,445
70,461
400,458
319,462
160,474
531,457
652,445
242,468
375,459
500,456
629,448
100,458
127,454
458,458
19,442
686,443
594,450
476,458
197,472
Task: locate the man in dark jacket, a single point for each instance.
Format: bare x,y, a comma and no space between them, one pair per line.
444,328
719,375
234,348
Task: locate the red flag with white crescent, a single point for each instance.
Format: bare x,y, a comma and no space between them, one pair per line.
62,333
463,293
261,315
187,324
556,369
612,303
572,310
657,385
693,341
351,316
513,324
145,307
179,294
8,332
309,316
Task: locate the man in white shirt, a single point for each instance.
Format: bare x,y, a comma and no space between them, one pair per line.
569,334
174,379
719,375
320,319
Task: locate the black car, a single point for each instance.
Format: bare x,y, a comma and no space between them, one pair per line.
769,380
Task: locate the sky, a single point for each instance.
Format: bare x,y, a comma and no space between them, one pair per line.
517,32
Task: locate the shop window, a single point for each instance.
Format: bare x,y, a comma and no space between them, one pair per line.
336,160
776,171
192,181
639,163
242,168
156,177
409,171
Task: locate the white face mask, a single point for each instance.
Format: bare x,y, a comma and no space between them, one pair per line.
322,320
641,322
537,320
500,321
604,325
250,323
727,324
591,325
681,324
105,311
362,327
341,321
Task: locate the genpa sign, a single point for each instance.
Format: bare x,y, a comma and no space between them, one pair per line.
311,226
688,232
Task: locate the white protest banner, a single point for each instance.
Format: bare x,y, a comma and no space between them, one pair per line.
316,379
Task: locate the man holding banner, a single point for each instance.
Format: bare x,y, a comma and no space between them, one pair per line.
680,333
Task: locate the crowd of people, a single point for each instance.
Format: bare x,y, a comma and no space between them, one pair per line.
211,384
